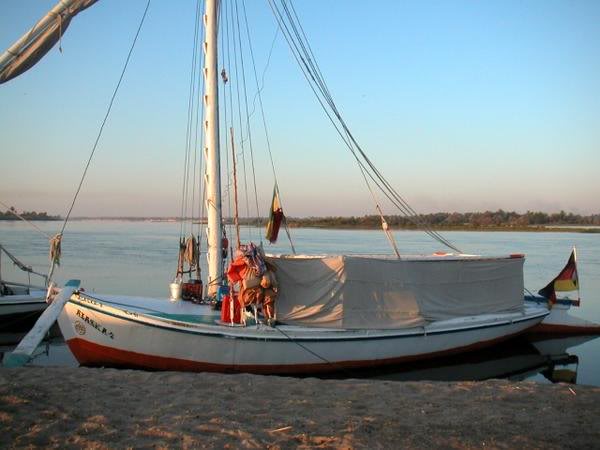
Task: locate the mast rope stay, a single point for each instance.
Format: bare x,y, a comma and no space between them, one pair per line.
99,135
108,111
262,110
225,80
384,224
302,52
19,216
202,180
237,77
228,126
248,128
190,120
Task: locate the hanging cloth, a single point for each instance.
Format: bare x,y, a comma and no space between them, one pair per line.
275,218
248,263
55,250
188,253
254,258
181,258
191,252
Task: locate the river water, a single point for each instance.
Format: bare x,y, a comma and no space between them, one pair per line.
140,257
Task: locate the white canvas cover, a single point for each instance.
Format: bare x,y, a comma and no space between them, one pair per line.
355,292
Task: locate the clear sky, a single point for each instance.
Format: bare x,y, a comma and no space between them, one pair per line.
463,105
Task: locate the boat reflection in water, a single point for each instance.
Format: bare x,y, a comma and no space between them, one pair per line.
518,359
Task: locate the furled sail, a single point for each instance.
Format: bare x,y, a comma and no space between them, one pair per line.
275,218
34,45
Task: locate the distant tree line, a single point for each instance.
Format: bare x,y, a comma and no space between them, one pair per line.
442,220
487,219
29,215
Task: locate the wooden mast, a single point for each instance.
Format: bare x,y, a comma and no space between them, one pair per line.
213,167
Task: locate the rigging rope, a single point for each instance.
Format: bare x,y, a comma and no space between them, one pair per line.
224,125
404,206
264,72
235,193
20,265
190,121
248,128
396,200
202,186
239,108
14,213
302,52
232,201
384,224
114,95
200,106
264,121
55,250
95,146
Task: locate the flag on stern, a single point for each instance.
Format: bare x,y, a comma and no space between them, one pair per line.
275,218
566,280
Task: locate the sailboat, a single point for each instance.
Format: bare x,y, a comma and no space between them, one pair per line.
20,303
333,312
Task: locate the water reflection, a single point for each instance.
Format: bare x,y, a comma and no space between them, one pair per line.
518,359
541,358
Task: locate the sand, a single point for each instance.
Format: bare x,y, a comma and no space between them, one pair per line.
106,408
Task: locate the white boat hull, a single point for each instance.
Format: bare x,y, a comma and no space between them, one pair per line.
22,304
103,333
560,322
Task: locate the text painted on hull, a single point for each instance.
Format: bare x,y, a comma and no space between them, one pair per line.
94,324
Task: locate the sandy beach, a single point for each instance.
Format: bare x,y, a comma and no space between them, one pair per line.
106,408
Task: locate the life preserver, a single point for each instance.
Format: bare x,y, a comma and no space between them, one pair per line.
231,305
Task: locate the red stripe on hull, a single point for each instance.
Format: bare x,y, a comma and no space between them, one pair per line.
90,354
545,328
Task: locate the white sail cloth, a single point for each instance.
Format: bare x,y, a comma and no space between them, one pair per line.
354,292
32,47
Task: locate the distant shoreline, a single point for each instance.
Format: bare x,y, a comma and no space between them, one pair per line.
551,228
500,220
300,223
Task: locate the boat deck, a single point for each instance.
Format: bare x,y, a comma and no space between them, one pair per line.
202,318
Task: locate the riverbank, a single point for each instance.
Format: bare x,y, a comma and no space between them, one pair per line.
503,228
324,224
107,408
437,222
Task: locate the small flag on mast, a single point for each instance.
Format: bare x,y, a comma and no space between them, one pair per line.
275,218
566,280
